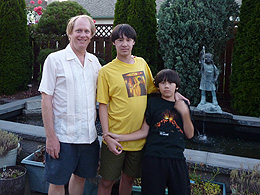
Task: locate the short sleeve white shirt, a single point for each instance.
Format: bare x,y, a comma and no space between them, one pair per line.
73,88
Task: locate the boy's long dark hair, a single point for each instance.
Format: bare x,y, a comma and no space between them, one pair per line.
167,75
123,29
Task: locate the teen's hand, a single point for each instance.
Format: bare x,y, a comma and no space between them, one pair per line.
113,145
178,96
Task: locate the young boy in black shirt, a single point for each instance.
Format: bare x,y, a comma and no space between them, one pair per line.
165,124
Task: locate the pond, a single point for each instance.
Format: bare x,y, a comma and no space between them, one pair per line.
217,142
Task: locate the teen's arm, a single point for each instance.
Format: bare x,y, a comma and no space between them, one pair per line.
140,134
178,96
112,144
184,111
52,142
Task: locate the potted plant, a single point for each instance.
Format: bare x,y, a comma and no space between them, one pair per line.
35,166
12,180
9,145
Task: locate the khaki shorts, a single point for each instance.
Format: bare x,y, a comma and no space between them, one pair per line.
130,162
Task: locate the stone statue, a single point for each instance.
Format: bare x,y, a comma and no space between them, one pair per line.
209,75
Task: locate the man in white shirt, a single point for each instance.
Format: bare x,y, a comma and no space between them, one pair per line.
68,88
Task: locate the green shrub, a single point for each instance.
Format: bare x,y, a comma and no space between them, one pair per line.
43,55
53,22
184,27
56,16
15,52
245,79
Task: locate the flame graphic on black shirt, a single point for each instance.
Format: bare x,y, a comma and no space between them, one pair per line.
168,117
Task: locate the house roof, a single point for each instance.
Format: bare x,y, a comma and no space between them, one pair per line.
104,8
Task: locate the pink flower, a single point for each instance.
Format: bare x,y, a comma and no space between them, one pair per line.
39,13
94,21
36,21
39,8
35,9
40,1
32,2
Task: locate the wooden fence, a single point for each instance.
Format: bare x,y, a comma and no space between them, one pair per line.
101,46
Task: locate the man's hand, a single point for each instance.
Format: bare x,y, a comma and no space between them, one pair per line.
53,147
113,145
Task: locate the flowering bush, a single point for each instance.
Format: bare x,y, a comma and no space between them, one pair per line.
34,12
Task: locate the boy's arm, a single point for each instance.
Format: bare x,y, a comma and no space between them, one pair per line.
184,111
139,134
112,144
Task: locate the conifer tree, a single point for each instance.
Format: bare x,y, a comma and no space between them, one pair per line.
141,15
245,77
184,27
15,52
120,17
121,9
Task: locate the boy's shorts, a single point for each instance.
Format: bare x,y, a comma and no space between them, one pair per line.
80,159
157,173
111,165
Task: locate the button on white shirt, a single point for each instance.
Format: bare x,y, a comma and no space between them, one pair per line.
73,88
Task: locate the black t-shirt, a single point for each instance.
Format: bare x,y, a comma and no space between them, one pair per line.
166,137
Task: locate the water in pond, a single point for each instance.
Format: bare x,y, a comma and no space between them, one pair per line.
225,145
210,141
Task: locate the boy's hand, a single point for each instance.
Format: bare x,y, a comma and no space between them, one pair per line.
181,107
113,145
178,96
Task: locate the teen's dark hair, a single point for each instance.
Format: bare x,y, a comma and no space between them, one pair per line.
167,75
123,29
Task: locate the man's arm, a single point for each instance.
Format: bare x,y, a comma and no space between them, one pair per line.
112,144
52,142
140,134
184,111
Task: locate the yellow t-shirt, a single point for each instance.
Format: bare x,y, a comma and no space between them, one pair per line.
124,87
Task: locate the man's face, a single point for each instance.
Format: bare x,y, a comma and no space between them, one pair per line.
124,46
81,35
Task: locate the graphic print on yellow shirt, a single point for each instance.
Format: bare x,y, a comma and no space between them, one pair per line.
135,83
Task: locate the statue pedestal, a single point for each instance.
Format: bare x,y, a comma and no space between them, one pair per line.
209,108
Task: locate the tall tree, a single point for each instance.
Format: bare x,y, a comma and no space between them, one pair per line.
15,52
120,17
141,15
245,77
184,27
